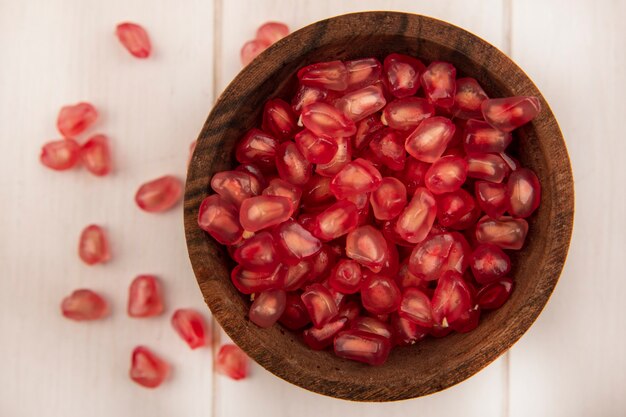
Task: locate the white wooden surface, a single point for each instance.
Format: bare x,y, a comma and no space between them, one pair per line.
53,52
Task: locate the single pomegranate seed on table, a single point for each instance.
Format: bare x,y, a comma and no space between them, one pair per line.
438,254
361,346
96,156
279,119
380,294
232,362
446,175
235,186
325,120
316,149
282,188
336,220
488,263
147,369
416,220
453,207
307,95
191,327
295,242
251,50
258,253
75,119
362,72
507,114
523,192
84,305
346,277
60,154
402,74
487,166
389,199
493,296
429,139
160,194
451,299
320,304
267,307
506,232
321,338
331,75
342,158
357,177
144,297
220,219
93,246
291,165
295,315
367,246
272,32
492,198
388,147
361,103
406,113
480,137
468,99
258,148
134,38
263,211
415,306
439,83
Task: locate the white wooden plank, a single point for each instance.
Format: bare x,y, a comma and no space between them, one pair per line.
59,52
264,394
573,361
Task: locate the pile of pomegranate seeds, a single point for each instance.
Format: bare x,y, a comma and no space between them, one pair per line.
377,207
266,35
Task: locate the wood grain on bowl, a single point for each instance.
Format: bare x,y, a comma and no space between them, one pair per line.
433,364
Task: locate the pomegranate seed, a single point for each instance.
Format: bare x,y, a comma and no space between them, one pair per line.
362,346
367,246
453,207
316,149
147,369
429,140
468,321
144,297
350,310
361,103
346,277
406,113
317,191
406,279
232,362
389,199
323,261
487,166
405,332
357,177
523,193
255,171
415,306
320,304
220,219
401,74
60,154
295,241
509,113
260,212
439,83
336,221
258,148
258,253
135,39
506,232
380,294
321,338
491,198
251,50
330,75
295,276
278,119
267,308
371,325
248,282
74,119
235,186
446,175
451,299
363,72
488,263
291,165
438,254
365,130
84,305
95,155
480,137
191,327
418,217
272,32
388,147
295,315
307,95
493,296
413,174
325,120
468,98
160,194
282,188
93,246
341,159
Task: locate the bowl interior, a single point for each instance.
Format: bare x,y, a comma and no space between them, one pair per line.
433,364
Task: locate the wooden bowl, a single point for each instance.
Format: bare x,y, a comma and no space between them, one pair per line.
433,364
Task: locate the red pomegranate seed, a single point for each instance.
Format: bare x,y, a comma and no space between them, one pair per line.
406,279
429,140
417,218
93,246
95,155
255,171
248,282
488,263
278,119
147,369
367,246
330,75
319,339
295,242
267,307
364,130
295,315
160,194
389,199
346,277
317,191
325,120
84,305
282,188
316,149
405,332
251,50
453,207
361,103
336,221
272,32
506,232
523,192
486,166
258,148
493,296
438,254
220,219
362,346
294,277
74,119
363,72
439,83
446,175
468,321
415,306
235,186
372,325
509,113
291,165
468,98
320,304
258,253
451,299
260,212
388,147
350,310
401,74
323,261
144,297
480,137
357,177
406,113
60,154
232,362
413,174
342,158
135,39
307,95
380,294
491,198
191,327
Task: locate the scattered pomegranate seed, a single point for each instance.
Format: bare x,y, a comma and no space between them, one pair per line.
316,149
493,296
84,305
446,175
147,369
418,217
429,140
439,83
272,32
346,277
191,327
95,155
93,246
232,362
279,119
401,74
60,154
295,242
135,39
336,220
267,307
389,199
74,119
468,99
220,218
292,166
160,194
258,148
507,114
260,212
406,113
524,193
362,346
480,137
492,198
330,75
488,263
361,103
363,72
380,294
487,166
235,186
506,232
325,120
415,306
251,50
367,246
144,297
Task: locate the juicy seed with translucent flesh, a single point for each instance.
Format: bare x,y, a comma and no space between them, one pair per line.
438,254
75,119
363,72
316,149
191,327
220,219
292,166
367,246
361,103
336,220
388,147
320,304
147,369
439,83
251,50
480,137
406,113
492,198
389,199
346,277
488,263
93,246
380,294
144,297
523,192
267,307
416,220
248,282
295,241
342,158
325,120
235,186
160,194
429,139
507,114
468,99
135,39
493,296
506,232
361,346
454,207
260,212
415,306
445,175
321,338
331,75
451,299
96,156
357,177
60,154
232,362
258,148
401,74
84,305
279,119
258,253
295,315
